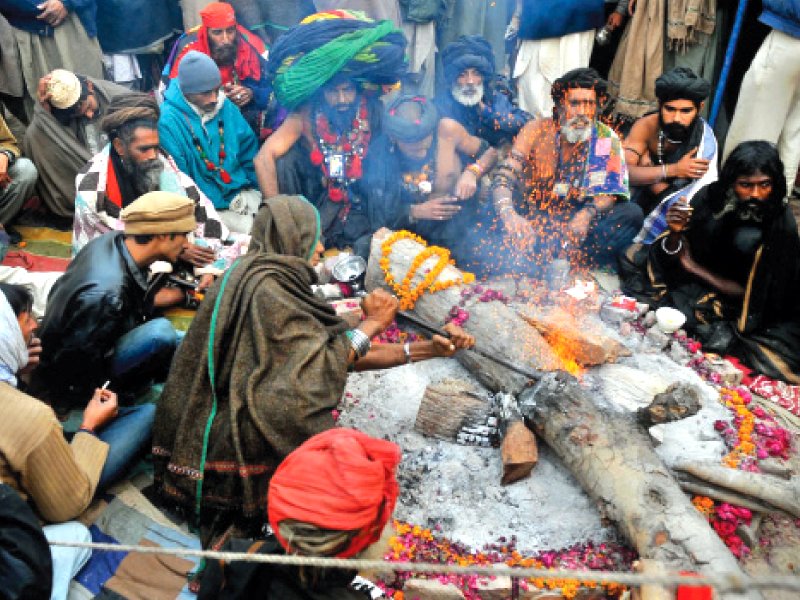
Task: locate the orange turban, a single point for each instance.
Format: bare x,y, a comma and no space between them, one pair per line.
340,480
218,15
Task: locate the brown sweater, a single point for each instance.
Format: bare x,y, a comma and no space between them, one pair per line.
35,459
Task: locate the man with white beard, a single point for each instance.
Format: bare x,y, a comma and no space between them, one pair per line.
563,191
476,96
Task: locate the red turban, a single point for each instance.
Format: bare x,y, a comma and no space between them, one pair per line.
218,15
340,480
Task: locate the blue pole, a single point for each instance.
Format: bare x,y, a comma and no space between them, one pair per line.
726,66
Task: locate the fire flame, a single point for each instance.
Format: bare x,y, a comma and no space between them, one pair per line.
565,350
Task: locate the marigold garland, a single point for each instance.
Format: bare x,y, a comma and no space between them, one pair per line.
415,543
407,294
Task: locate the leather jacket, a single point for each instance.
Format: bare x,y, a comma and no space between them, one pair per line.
102,296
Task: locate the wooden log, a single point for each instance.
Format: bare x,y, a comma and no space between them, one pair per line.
585,341
777,492
679,401
611,456
497,327
519,452
706,489
448,406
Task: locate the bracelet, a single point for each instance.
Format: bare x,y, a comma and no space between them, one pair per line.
360,342
407,352
86,430
663,172
476,170
671,252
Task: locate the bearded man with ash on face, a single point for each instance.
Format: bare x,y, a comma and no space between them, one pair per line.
564,188
730,262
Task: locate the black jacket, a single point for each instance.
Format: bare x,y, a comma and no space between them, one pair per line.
102,296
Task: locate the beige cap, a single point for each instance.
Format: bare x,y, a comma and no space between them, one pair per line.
159,212
64,88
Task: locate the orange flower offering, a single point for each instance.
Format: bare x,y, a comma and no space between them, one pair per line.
407,294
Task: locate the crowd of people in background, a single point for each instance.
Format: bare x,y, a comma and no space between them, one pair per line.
238,142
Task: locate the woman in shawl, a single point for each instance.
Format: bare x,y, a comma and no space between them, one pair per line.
260,370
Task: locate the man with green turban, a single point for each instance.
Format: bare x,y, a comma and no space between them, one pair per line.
328,71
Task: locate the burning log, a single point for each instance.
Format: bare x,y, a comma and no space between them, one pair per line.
612,458
498,328
587,344
779,493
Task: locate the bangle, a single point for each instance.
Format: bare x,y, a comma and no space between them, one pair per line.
671,252
476,170
360,342
86,430
663,172
407,352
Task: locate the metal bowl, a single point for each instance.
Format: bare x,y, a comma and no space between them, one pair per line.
349,269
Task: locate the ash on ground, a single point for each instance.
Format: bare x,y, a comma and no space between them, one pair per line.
457,487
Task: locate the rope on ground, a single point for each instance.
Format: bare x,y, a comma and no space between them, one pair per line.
723,582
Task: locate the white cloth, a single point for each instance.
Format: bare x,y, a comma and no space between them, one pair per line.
541,62
769,101
66,561
243,208
13,349
39,284
421,56
122,68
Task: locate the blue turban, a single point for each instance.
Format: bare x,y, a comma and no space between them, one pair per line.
468,51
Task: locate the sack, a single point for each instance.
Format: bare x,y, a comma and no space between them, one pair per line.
420,11
26,569
542,19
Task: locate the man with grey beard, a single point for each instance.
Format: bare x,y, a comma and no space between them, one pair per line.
476,96
563,191
131,165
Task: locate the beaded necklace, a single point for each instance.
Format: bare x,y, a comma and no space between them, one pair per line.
223,174
661,138
419,182
350,148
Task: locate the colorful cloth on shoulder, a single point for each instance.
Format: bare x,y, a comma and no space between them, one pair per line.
605,173
656,222
98,204
606,170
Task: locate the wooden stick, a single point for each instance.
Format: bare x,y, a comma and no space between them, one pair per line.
527,372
